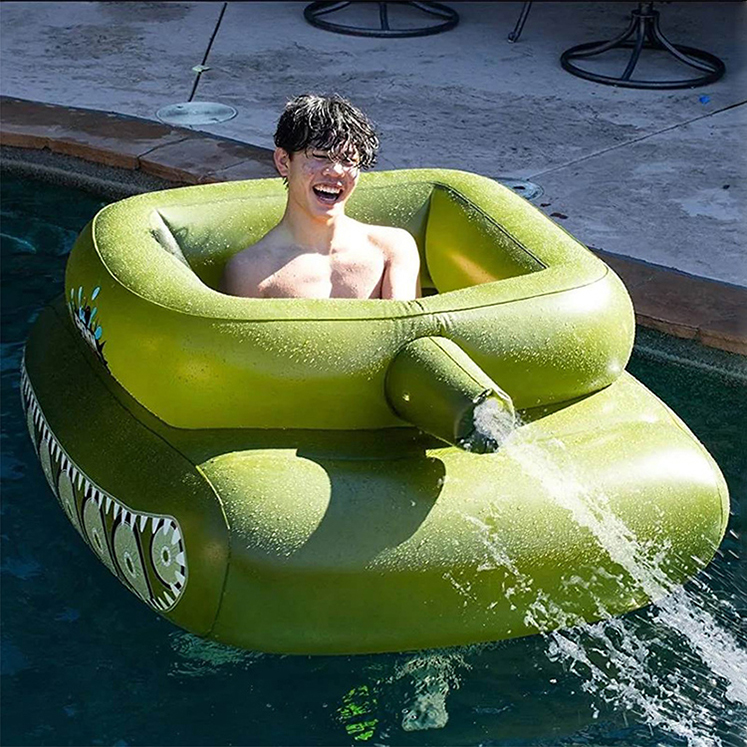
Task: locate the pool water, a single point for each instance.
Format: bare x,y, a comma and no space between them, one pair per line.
84,662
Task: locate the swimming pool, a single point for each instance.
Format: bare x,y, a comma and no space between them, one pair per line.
84,662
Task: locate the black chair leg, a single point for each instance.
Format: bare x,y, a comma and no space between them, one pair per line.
516,33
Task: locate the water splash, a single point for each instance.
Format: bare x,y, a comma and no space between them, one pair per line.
674,664
493,424
494,420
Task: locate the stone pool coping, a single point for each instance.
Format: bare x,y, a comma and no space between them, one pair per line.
674,302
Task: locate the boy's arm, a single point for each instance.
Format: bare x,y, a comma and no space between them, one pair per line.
402,273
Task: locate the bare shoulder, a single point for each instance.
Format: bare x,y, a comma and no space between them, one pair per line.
396,243
245,269
401,276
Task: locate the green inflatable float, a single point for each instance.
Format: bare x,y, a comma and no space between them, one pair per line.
344,476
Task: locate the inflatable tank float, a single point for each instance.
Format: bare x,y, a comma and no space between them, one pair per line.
331,476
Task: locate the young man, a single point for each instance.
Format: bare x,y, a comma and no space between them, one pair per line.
316,251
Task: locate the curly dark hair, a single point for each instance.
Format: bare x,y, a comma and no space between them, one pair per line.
329,123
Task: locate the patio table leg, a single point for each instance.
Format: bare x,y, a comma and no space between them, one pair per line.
644,23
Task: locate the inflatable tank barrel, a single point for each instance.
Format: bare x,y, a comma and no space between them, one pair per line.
433,384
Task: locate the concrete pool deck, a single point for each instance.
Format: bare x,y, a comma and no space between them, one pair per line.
652,181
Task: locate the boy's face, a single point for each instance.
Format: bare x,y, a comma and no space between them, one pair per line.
317,181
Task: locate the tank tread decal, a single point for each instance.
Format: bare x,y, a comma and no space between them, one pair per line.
149,556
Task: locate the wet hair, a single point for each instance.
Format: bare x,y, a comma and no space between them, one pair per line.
329,123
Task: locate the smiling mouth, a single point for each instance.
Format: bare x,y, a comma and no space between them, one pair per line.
327,195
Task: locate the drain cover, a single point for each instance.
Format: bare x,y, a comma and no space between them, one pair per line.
528,190
195,113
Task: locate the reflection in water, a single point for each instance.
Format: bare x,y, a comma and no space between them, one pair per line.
196,657
433,675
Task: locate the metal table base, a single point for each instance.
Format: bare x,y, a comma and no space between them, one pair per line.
644,23
449,18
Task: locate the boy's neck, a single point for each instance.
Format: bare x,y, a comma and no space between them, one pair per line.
319,234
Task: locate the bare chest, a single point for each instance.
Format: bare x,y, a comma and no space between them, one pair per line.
352,274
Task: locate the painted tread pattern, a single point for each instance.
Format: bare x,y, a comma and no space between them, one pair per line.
145,551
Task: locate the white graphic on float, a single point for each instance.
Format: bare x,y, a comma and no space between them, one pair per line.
83,313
